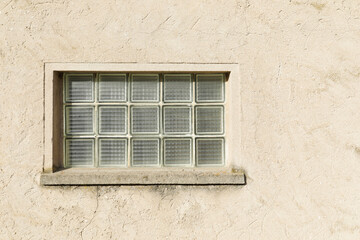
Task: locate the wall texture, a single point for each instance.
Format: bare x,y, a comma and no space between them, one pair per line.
300,73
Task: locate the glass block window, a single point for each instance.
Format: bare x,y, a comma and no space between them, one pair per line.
145,88
79,120
145,152
112,119
79,152
210,88
177,120
145,119
177,151
134,120
209,119
209,151
112,152
177,88
112,88
79,88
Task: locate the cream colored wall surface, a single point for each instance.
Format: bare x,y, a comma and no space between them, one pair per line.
300,75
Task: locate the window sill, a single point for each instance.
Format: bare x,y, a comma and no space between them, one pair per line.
141,176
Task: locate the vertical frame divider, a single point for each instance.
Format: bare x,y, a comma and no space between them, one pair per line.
161,120
96,121
128,103
193,121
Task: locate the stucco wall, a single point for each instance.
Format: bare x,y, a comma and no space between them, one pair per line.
300,75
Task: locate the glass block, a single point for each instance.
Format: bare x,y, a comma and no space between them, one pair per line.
145,88
79,120
177,120
177,151
79,152
79,88
177,88
209,151
209,120
112,152
210,88
112,88
145,120
145,152
112,120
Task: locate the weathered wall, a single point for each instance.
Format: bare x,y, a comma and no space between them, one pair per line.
300,73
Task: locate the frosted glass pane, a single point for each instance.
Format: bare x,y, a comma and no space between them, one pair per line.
210,88
177,151
112,88
113,120
177,120
145,88
113,152
209,120
79,88
79,152
209,151
177,88
145,152
79,120
145,120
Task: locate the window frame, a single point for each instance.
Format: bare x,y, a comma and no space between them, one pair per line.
230,173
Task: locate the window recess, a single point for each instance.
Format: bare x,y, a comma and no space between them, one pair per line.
135,123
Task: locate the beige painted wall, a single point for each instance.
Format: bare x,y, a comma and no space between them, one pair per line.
300,74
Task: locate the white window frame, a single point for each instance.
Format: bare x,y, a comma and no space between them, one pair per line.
230,173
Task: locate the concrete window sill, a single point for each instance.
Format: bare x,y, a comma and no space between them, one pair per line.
141,176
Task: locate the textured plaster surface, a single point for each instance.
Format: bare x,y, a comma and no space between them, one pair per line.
300,69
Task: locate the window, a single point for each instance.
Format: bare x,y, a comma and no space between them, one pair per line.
163,124
146,120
